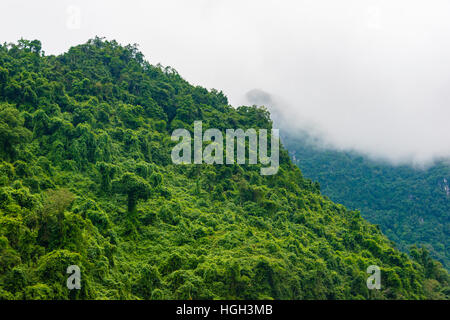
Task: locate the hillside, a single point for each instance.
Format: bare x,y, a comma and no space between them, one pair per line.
411,205
87,179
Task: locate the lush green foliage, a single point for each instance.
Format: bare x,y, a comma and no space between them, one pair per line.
86,179
411,205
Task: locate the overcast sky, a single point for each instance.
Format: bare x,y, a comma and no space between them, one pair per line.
368,75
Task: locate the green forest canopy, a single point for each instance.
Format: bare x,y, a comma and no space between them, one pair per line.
411,205
86,179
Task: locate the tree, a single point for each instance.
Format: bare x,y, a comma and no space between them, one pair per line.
107,171
134,187
51,224
34,46
3,77
12,132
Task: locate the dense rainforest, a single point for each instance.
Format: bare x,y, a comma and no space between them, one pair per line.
86,179
411,205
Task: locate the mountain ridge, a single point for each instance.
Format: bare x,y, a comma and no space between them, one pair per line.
87,180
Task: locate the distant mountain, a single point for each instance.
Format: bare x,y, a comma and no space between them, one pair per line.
412,206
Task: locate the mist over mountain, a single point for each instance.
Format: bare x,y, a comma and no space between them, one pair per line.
367,75
292,121
409,200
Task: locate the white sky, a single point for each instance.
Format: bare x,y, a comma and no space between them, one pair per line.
370,75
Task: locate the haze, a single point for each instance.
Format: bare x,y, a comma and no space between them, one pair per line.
372,76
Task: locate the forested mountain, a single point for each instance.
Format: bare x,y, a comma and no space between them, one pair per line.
86,179
411,205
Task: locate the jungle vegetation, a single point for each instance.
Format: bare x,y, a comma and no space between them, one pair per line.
410,204
86,179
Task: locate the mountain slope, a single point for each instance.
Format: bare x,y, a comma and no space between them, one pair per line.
87,180
411,205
